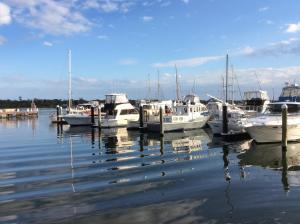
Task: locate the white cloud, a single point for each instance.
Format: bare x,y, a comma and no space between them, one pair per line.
128,61
147,18
293,27
5,17
283,47
109,6
185,1
47,44
248,50
284,42
2,40
189,62
51,17
263,9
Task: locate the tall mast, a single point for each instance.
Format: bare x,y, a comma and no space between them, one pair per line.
232,85
149,87
177,85
158,85
70,79
226,79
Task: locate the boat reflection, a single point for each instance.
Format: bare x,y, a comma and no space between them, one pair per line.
272,156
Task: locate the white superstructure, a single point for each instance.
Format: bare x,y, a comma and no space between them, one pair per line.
118,111
267,128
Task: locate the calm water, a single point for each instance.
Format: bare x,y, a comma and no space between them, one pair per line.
79,175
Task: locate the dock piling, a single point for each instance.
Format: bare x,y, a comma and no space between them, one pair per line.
99,117
57,113
141,117
161,122
93,116
60,115
225,119
284,110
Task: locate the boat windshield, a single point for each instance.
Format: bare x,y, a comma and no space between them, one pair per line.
276,108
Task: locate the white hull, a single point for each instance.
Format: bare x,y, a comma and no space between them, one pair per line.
112,123
217,127
273,133
178,126
77,120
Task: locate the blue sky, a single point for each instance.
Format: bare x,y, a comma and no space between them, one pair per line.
118,44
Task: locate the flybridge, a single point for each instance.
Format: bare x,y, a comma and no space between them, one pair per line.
291,92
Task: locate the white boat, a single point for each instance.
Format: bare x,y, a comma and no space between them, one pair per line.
255,102
118,111
186,115
290,92
236,118
267,128
81,115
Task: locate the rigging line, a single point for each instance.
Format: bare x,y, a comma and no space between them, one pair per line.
259,84
237,82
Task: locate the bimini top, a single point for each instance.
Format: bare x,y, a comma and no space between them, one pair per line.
116,98
254,95
192,98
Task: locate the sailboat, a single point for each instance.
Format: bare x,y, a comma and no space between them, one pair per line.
185,115
236,117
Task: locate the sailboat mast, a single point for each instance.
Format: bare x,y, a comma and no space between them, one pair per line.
70,79
158,85
226,79
149,87
177,84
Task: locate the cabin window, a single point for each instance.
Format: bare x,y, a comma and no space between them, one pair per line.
123,112
191,109
133,111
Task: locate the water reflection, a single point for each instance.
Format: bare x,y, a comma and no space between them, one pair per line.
272,156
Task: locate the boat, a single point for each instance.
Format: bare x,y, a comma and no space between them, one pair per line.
118,111
255,102
267,127
186,115
290,92
236,117
81,115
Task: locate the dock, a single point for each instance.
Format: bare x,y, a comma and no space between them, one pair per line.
18,113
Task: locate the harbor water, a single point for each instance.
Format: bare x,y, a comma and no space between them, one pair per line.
50,174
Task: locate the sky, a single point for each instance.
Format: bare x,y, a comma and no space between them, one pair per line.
125,45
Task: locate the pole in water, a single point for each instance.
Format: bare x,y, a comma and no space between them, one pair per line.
99,117
225,119
93,115
141,117
57,113
60,115
161,122
284,109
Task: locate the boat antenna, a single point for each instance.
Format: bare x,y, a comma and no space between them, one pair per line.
177,85
226,79
259,84
70,79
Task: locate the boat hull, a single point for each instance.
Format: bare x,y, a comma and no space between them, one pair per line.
168,127
273,133
78,120
217,127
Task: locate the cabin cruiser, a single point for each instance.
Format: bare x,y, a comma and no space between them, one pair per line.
267,127
236,118
80,115
255,102
186,115
290,92
118,111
